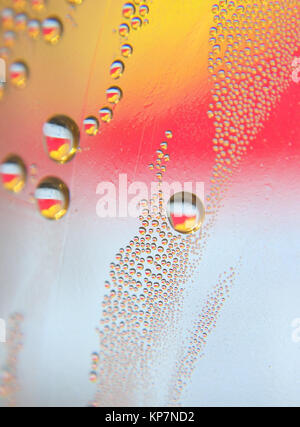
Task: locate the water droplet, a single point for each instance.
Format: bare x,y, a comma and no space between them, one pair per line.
143,10
34,29
18,74
186,212
13,174
61,138
124,30
136,23
7,19
19,4
114,95
4,53
75,2
93,377
128,10
38,5
2,89
52,30
91,126
53,198
117,69
9,38
126,50
21,21
169,134
106,114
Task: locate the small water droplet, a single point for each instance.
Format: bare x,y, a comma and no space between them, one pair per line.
114,95
143,10
9,38
124,30
38,5
106,114
91,126
7,18
52,30
126,50
19,74
117,69
21,21
34,28
136,23
128,10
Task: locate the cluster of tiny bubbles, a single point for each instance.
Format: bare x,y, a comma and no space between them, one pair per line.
52,198
114,94
252,46
163,157
202,327
61,138
13,174
9,386
143,302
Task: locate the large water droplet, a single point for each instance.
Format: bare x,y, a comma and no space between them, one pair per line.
13,174
53,198
186,212
61,138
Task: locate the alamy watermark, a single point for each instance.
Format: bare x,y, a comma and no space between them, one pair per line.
124,199
2,331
